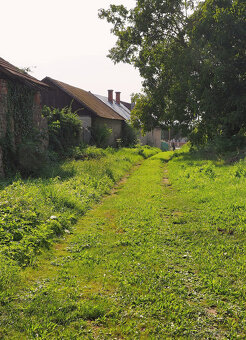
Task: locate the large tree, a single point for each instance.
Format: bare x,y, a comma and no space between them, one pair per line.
192,60
219,81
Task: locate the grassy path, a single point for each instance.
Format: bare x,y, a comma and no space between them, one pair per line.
133,269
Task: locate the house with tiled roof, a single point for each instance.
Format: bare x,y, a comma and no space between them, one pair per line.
117,105
20,111
91,109
152,138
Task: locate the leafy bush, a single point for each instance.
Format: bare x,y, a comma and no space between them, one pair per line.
64,128
217,145
147,151
100,135
129,135
86,152
239,170
36,210
31,157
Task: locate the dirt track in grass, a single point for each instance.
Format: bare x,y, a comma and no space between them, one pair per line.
132,269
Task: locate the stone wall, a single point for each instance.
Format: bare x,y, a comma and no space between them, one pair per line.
38,122
152,138
3,121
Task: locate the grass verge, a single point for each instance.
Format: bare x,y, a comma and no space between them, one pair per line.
151,261
35,211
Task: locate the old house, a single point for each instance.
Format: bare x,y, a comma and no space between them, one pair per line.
20,111
116,104
152,138
92,111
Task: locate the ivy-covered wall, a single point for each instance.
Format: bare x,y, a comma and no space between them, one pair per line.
20,122
3,120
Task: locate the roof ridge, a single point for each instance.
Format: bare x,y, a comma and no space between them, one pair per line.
111,113
12,70
121,109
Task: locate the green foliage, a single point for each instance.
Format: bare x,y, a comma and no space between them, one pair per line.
147,151
32,157
9,277
218,34
20,110
21,137
220,145
156,260
239,170
64,129
100,135
192,65
35,211
87,152
129,135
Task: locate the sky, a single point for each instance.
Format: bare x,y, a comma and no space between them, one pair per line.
65,40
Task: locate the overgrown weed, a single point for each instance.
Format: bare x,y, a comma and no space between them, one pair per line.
34,211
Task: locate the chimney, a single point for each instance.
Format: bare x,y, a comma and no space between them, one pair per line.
117,98
110,96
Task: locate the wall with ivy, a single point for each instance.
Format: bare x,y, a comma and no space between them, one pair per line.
21,124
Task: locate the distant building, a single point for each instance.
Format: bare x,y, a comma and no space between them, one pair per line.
152,138
96,110
116,104
174,137
92,110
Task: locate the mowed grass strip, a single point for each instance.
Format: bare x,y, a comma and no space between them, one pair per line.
35,211
87,297
144,264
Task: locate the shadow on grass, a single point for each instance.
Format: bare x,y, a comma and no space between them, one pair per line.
201,155
49,171
56,169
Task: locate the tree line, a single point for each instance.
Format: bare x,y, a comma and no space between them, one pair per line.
192,58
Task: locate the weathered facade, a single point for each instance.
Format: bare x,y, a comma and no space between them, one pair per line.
90,109
13,83
3,120
152,138
115,127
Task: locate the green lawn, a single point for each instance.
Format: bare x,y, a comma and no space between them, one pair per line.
35,211
162,257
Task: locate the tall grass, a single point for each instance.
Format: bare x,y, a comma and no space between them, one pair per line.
216,188
158,259
34,211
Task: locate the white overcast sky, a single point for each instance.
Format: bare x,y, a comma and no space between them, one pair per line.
65,40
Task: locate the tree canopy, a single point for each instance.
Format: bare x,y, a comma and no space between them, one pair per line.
192,58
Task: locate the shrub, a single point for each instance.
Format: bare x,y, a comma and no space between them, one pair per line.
100,135
31,158
35,211
64,129
129,135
